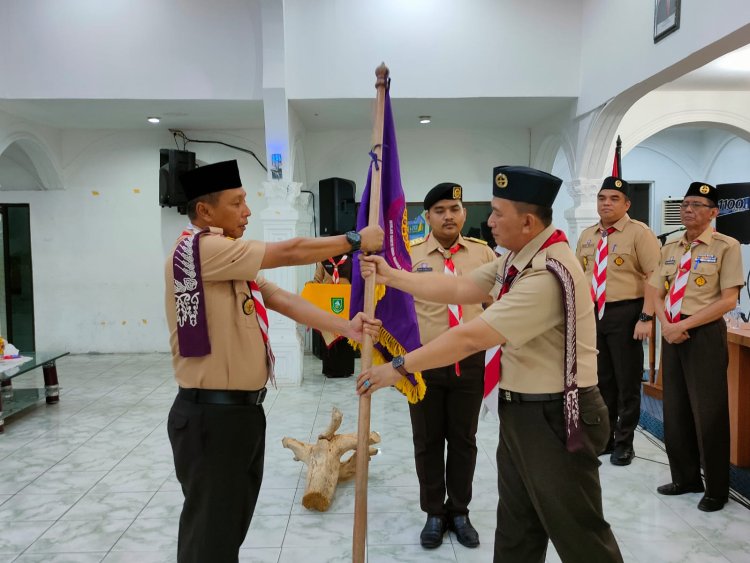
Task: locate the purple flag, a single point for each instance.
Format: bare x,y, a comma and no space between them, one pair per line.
400,331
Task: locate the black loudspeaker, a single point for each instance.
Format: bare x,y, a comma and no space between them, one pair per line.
734,211
338,212
172,163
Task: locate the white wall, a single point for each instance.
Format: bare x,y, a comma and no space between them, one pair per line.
427,157
618,50
436,48
180,49
99,245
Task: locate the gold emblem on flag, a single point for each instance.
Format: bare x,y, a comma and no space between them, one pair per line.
501,180
456,192
619,261
248,306
618,183
700,281
704,189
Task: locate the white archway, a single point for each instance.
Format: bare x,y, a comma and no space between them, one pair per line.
41,158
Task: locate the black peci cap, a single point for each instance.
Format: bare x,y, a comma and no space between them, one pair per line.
446,190
702,189
524,184
211,178
617,184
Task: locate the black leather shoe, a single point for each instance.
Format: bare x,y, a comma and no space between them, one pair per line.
465,532
711,504
677,489
433,531
622,455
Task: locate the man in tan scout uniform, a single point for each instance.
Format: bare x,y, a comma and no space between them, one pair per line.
217,317
698,280
553,421
618,256
449,411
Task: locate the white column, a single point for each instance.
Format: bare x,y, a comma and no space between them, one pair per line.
281,222
583,214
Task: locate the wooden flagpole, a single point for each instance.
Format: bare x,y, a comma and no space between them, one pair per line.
363,427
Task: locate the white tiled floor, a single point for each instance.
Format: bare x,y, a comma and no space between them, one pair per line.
91,479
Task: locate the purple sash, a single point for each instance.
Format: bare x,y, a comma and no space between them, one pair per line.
192,326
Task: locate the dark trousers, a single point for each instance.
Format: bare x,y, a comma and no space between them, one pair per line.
696,408
218,456
620,368
448,413
548,493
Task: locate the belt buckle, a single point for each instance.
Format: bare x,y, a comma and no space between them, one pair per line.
506,396
261,396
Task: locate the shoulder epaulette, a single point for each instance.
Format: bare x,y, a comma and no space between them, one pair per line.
417,241
479,240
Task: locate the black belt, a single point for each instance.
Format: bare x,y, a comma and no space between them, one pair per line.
221,397
513,397
614,304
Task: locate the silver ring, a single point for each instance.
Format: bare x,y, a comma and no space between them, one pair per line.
366,383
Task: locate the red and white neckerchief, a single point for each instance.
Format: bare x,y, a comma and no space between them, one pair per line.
599,279
455,312
261,313
673,302
335,275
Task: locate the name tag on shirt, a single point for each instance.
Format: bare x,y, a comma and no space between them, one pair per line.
670,261
424,268
707,259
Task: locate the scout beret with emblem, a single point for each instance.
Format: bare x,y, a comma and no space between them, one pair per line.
524,184
446,190
703,190
612,183
211,178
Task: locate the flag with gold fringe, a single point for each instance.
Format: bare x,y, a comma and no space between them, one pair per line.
400,331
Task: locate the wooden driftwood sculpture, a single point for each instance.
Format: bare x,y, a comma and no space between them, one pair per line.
324,466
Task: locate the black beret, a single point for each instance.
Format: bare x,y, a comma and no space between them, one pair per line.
446,190
524,184
702,189
618,184
211,178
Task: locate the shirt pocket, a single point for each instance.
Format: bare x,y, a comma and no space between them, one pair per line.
704,274
244,306
667,273
621,255
588,260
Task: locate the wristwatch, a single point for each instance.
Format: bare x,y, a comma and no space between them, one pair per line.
398,365
644,318
354,238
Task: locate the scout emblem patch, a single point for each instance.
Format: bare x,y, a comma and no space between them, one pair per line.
700,281
666,285
704,189
619,261
585,262
618,183
248,306
337,304
457,192
501,181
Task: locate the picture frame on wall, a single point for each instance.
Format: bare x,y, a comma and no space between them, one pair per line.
666,18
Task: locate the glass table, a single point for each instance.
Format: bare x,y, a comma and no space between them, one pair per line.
13,400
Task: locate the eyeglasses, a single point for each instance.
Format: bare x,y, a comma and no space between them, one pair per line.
694,205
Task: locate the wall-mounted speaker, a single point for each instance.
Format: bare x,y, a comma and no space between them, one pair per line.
172,163
338,211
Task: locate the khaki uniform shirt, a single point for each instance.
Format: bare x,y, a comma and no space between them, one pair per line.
632,254
716,265
532,319
428,255
238,355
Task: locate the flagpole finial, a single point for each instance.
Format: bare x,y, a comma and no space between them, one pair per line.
381,73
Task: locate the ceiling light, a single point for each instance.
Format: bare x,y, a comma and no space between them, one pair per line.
424,119
154,119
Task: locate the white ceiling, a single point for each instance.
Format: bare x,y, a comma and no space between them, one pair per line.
730,72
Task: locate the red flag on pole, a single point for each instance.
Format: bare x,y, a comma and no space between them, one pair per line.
617,164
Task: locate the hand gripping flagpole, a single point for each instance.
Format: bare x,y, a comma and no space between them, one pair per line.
363,428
